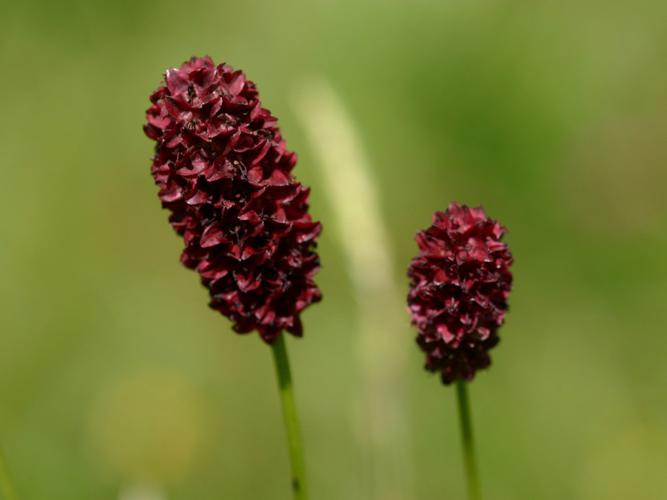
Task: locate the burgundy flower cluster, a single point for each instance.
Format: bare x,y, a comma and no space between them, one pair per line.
225,175
459,284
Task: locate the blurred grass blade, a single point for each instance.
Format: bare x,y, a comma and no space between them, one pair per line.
352,191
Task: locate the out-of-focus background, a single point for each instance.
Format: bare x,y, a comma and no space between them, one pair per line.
117,381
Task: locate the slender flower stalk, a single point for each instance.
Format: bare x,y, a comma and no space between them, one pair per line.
6,484
290,416
474,492
225,174
459,285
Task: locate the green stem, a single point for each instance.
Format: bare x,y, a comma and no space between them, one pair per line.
290,417
6,486
474,492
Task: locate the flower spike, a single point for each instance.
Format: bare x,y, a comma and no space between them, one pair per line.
459,284
225,175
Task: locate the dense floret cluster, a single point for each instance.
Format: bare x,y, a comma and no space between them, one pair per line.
224,173
459,284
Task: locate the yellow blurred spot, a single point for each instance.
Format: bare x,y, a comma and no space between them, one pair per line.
147,426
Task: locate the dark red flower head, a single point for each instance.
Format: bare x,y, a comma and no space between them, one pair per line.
225,175
459,285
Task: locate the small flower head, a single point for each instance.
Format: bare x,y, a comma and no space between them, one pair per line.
224,173
459,284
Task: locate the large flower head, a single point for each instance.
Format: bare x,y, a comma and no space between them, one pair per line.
459,284
225,175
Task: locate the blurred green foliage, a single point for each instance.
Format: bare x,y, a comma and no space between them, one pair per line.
113,371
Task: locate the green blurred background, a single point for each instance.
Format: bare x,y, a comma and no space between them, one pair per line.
115,378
